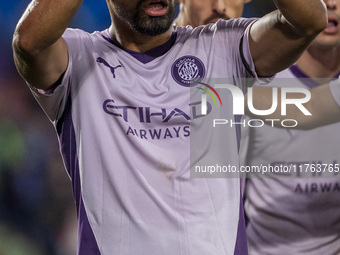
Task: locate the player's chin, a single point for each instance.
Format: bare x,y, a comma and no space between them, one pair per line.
153,26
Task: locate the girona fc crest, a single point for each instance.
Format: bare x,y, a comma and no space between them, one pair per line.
188,71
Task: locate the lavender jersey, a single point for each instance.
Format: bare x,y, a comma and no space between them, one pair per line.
123,120
294,212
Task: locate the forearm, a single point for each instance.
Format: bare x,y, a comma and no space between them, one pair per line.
307,17
40,53
278,39
322,106
43,23
262,99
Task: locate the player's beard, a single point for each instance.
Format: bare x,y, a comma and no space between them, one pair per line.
149,25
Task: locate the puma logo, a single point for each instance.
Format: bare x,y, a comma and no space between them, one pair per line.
112,68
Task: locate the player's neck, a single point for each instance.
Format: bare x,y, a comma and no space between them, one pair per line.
135,41
319,62
180,21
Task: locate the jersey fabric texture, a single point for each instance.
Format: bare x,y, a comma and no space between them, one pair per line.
293,212
123,121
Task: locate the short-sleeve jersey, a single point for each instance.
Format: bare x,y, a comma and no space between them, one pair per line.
294,212
123,121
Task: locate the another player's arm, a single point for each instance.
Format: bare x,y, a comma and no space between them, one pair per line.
278,39
40,53
322,106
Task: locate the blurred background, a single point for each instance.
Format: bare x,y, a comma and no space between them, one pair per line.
37,211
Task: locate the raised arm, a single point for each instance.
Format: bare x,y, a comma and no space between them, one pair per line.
40,53
278,39
322,106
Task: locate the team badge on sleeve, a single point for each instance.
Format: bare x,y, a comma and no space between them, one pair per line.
188,71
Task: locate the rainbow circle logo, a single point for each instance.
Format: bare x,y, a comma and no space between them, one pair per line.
188,71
